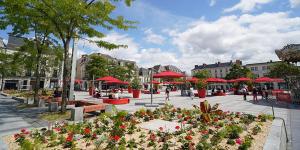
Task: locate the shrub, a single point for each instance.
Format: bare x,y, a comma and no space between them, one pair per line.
201,84
230,142
234,131
256,130
247,143
247,118
135,84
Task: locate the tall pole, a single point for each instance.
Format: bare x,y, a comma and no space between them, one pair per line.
73,71
151,85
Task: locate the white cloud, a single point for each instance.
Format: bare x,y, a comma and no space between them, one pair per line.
154,38
294,3
146,57
212,3
247,5
249,38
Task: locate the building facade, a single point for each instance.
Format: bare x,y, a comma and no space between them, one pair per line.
81,63
217,70
25,78
260,69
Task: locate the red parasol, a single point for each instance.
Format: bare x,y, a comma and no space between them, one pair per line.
155,82
263,79
107,78
168,74
278,80
242,79
216,80
193,79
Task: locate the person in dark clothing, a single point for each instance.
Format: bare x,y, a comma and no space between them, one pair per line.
254,93
244,90
168,93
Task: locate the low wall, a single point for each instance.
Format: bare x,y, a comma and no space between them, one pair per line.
276,139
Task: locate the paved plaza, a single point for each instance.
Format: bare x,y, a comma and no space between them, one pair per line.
12,119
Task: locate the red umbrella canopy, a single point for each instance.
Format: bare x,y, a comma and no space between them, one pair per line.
217,80
173,82
155,82
116,82
278,80
242,79
168,74
193,79
264,79
107,78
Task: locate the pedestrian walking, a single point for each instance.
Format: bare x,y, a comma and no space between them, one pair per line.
244,90
254,93
192,95
168,94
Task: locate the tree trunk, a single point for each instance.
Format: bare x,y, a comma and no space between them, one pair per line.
2,82
66,76
37,78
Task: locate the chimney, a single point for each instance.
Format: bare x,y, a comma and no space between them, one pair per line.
218,62
196,66
271,61
204,64
239,62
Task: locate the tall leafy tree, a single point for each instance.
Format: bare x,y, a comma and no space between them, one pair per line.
130,71
238,71
96,66
202,74
9,65
283,70
68,19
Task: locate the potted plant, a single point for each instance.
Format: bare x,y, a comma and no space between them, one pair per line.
201,86
136,88
129,89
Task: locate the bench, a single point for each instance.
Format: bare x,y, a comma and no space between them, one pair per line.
116,101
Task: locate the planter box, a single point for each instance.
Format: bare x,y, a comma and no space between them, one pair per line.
136,93
202,93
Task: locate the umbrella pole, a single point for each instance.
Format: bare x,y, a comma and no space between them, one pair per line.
151,85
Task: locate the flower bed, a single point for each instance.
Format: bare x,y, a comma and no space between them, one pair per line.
200,128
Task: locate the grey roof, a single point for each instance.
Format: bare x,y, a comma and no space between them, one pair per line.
14,42
269,62
204,66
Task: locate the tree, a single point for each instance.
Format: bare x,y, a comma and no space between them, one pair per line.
202,74
237,71
130,71
117,71
69,19
96,66
9,65
283,70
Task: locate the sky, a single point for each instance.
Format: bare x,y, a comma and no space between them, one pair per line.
186,33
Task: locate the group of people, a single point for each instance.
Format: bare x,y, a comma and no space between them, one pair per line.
264,92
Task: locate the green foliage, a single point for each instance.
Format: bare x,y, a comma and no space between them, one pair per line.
238,71
201,84
256,130
247,118
202,74
283,69
230,142
233,131
247,143
135,84
97,66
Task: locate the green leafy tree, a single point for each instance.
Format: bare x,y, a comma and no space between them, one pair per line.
9,65
237,71
97,66
117,71
130,71
69,19
202,74
283,70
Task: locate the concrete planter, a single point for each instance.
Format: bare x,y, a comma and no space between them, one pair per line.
276,139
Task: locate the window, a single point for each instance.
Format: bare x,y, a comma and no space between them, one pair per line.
264,68
254,68
220,70
216,71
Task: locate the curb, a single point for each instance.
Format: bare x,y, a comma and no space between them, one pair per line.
276,139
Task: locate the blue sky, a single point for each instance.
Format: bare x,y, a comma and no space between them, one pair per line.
191,32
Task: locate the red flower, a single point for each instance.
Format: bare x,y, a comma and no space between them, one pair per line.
122,126
204,132
69,138
187,118
16,136
116,138
152,137
26,132
238,141
188,137
177,127
57,129
217,127
23,130
216,120
183,122
94,135
179,116
161,128
87,131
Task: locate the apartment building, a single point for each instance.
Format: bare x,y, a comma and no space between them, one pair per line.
25,79
217,70
260,69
